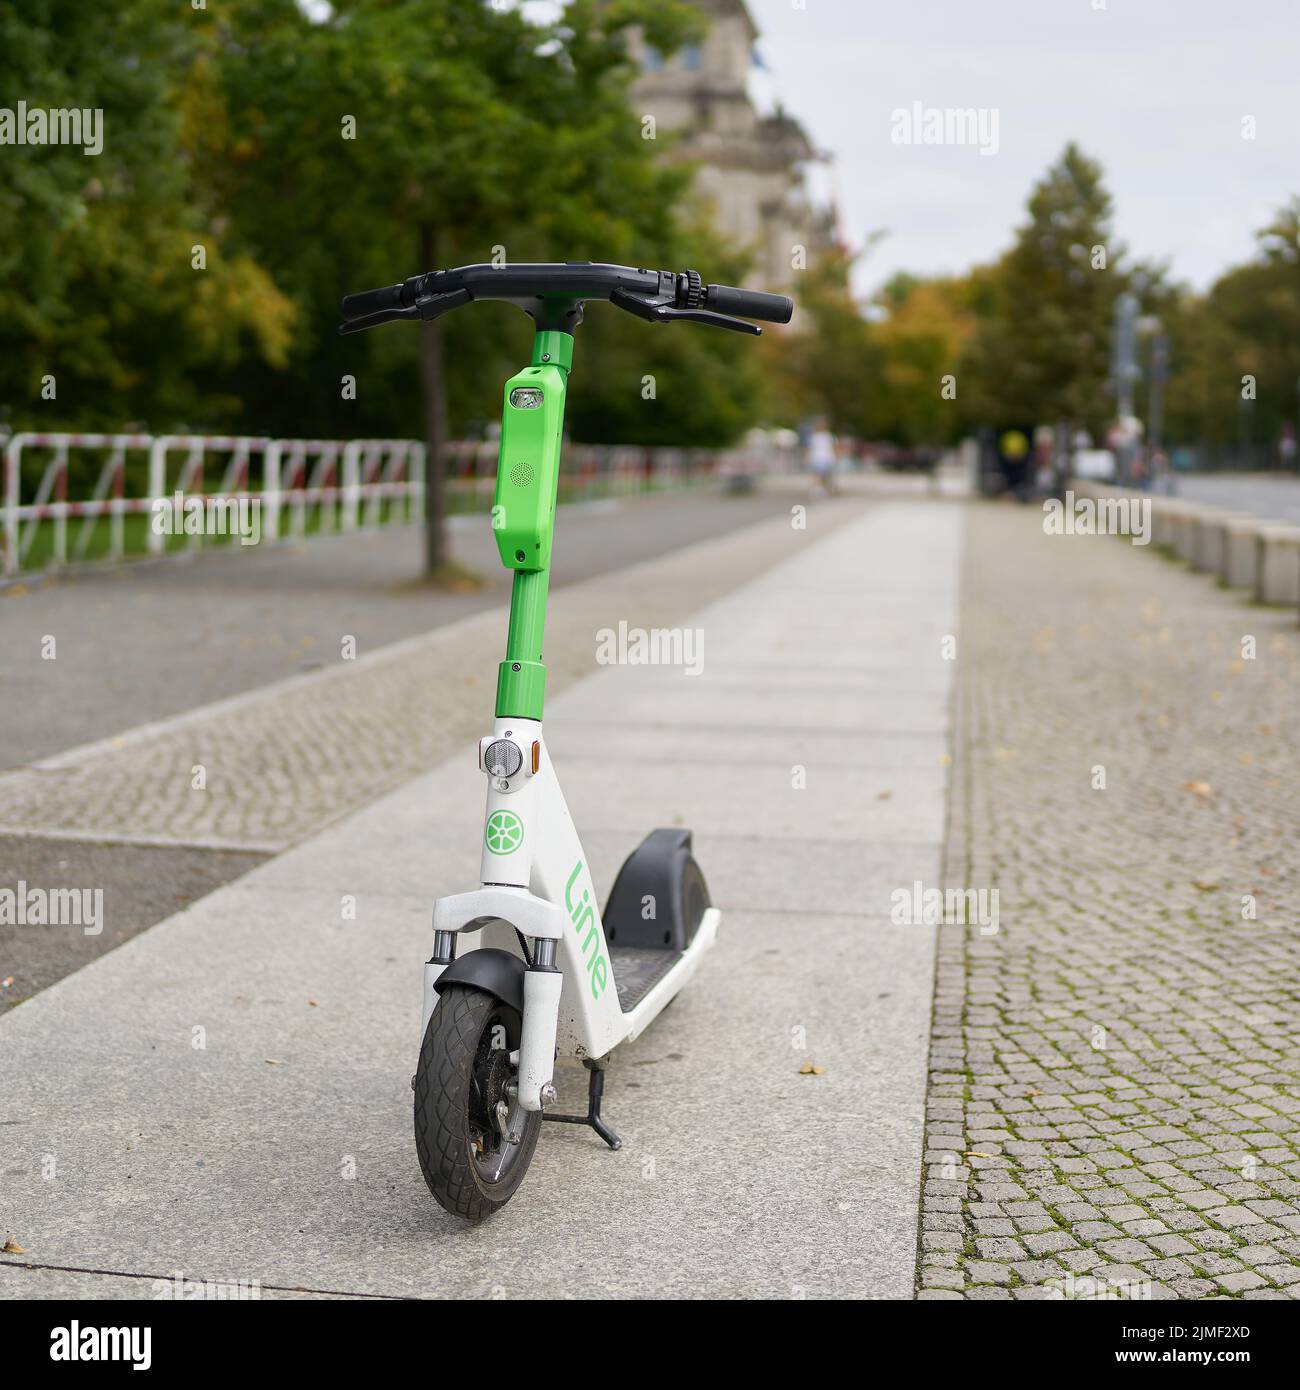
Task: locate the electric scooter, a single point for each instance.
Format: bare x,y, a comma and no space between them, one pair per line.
548,973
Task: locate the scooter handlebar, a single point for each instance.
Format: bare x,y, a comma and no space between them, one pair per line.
659,295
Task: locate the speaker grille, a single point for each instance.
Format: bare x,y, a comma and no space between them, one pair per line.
521,475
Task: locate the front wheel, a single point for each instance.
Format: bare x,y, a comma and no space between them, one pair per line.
474,1139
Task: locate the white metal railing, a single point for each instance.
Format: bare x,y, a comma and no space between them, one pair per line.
346,482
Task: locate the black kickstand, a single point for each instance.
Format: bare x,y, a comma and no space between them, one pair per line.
595,1090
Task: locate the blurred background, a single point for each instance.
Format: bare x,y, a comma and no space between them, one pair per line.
263,157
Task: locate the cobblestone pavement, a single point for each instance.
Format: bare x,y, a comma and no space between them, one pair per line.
1115,1074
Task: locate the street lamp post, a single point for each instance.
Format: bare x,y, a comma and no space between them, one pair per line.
1151,328
1124,367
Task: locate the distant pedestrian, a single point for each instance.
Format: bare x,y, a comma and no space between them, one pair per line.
821,457
1014,448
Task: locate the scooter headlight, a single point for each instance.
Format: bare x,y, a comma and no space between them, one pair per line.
527,397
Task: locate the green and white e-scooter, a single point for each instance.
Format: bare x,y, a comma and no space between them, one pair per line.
548,972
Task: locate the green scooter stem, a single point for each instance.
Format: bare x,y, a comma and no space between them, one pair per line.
528,470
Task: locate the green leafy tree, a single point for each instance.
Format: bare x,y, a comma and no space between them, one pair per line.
921,335
831,366
1247,325
422,133
97,282
1041,351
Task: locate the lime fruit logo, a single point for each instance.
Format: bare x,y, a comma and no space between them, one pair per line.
504,833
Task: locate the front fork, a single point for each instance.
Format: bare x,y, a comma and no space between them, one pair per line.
512,757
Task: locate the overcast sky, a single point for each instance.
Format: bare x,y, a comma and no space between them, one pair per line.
1155,89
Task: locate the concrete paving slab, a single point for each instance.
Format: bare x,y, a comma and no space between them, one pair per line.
899,804
282,1150
228,1093
889,713
407,858
702,744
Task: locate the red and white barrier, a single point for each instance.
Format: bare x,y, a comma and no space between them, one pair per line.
189,475
51,498
348,481
375,469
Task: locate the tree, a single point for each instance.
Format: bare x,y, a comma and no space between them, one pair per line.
1247,325
259,164
831,367
97,281
925,327
1041,351
424,133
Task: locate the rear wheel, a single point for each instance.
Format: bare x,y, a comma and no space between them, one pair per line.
474,1140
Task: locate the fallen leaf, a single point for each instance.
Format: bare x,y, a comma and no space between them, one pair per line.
884,796
315,1003
1033,1091
1202,789
272,1062
11,1247
809,1070
6,982
978,1153
1206,885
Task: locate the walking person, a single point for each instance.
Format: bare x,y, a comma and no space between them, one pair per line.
821,456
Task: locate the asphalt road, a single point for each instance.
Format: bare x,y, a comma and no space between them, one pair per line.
1276,497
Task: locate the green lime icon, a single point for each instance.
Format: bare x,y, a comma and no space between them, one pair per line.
504,833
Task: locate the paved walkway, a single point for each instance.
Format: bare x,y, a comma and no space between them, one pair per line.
1115,1075
227,1094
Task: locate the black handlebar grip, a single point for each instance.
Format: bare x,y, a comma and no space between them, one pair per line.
749,304
356,306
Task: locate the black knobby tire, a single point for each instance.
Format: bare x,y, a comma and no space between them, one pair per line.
458,1076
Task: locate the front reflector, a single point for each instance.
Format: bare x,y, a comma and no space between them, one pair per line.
503,758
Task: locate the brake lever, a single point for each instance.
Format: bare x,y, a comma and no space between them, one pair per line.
665,313
429,306
374,320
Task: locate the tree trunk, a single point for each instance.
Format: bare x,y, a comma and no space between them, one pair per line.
433,390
